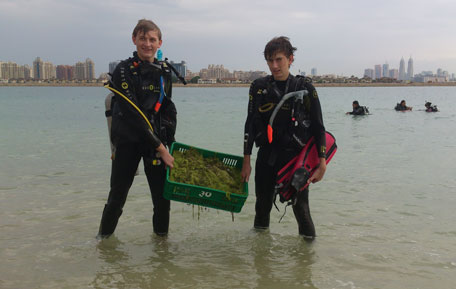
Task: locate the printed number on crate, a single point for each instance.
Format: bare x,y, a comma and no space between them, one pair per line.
205,194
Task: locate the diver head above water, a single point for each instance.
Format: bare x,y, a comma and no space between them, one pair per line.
355,104
430,107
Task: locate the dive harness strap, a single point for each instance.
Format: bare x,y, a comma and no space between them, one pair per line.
298,95
162,95
132,104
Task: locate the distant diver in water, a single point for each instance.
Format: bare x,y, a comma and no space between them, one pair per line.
403,106
430,107
358,110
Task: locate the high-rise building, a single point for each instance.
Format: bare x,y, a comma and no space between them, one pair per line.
79,70
180,67
38,68
113,65
410,69
43,70
65,72
215,72
3,70
49,71
385,71
84,70
439,72
313,71
28,72
89,69
369,72
393,73
378,71
11,70
402,75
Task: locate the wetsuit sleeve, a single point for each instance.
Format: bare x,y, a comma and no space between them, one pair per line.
317,127
249,133
358,111
123,82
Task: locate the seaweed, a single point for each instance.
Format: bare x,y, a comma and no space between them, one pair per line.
192,168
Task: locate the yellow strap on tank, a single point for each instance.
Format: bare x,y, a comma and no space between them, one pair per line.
132,104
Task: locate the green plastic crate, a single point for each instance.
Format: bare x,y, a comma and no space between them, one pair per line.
203,196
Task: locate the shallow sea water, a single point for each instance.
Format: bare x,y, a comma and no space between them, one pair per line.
384,213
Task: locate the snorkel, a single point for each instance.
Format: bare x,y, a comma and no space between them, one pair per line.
299,97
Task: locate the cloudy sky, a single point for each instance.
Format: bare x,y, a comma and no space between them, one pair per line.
335,36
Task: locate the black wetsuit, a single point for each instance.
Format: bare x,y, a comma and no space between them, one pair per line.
360,110
430,107
134,139
401,107
288,140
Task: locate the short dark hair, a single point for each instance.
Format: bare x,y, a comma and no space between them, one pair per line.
145,26
279,44
356,102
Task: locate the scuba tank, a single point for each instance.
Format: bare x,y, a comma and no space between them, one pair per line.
108,114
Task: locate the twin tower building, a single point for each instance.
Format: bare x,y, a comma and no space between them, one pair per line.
381,71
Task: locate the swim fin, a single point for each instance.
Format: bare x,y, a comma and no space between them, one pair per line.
293,177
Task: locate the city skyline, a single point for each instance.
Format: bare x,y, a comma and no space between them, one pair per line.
342,37
46,70
82,72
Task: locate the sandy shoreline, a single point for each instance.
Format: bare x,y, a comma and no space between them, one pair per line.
240,84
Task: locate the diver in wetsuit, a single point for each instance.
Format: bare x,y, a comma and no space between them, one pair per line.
357,109
430,107
293,126
143,125
402,106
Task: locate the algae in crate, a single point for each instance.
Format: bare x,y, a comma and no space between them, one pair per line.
190,167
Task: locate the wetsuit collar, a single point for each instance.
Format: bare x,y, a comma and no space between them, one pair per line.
276,90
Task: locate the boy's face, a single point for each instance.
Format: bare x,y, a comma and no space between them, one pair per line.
279,65
147,44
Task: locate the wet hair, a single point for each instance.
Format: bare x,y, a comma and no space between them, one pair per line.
145,26
356,102
279,44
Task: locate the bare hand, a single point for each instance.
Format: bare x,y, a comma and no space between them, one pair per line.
319,172
246,169
166,157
